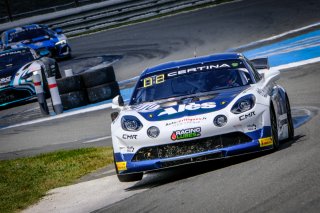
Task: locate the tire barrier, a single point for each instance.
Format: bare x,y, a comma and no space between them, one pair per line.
74,99
103,92
89,87
70,84
98,77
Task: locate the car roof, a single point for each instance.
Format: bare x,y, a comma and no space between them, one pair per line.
192,61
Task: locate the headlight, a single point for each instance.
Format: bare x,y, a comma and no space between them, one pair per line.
62,42
153,132
131,123
220,120
244,104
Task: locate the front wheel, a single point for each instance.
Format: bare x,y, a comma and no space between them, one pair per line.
274,129
290,121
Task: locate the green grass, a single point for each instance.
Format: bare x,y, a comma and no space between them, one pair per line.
24,181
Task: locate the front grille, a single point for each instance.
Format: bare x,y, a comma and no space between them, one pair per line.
165,164
10,95
191,147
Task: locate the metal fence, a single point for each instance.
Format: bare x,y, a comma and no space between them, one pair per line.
16,9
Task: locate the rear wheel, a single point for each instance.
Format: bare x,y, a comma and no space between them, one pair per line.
290,121
274,129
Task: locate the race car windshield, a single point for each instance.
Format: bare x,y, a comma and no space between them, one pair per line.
27,34
191,80
13,59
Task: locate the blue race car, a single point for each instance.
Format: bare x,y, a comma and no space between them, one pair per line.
196,110
16,68
39,38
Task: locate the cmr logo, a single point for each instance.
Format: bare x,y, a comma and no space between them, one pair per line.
244,117
190,107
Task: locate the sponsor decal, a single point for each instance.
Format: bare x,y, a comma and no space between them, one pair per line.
130,148
249,115
190,107
129,137
122,166
146,107
262,92
186,121
265,141
186,133
252,127
198,69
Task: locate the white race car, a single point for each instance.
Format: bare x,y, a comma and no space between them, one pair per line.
199,109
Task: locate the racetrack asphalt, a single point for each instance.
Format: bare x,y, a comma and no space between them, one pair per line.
284,181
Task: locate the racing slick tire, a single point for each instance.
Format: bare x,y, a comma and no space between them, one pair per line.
98,77
103,92
127,177
289,118
74,99
274,129
70,84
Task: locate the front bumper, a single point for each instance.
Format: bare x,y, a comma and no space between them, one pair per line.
190,151
57,51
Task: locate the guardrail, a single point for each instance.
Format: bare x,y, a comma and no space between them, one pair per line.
86,20
127,12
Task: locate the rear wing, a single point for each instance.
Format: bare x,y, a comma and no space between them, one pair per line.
260,63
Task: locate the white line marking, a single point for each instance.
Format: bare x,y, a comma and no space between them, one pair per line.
276,36
64,115
296,64
97,140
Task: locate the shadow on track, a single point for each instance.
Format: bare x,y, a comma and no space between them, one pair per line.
158,178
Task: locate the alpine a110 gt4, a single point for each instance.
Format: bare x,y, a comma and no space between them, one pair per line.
199,109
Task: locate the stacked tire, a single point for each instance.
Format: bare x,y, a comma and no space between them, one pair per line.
72,92
89,87
100,84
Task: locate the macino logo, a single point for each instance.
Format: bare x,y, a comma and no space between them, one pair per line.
190,107
244,117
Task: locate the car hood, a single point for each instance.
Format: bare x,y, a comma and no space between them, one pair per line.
38,42
187,105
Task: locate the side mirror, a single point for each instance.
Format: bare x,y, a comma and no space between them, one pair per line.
117,102
58,30
260,63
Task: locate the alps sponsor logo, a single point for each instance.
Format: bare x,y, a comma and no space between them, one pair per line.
188,107
186,133
198,69
246,116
